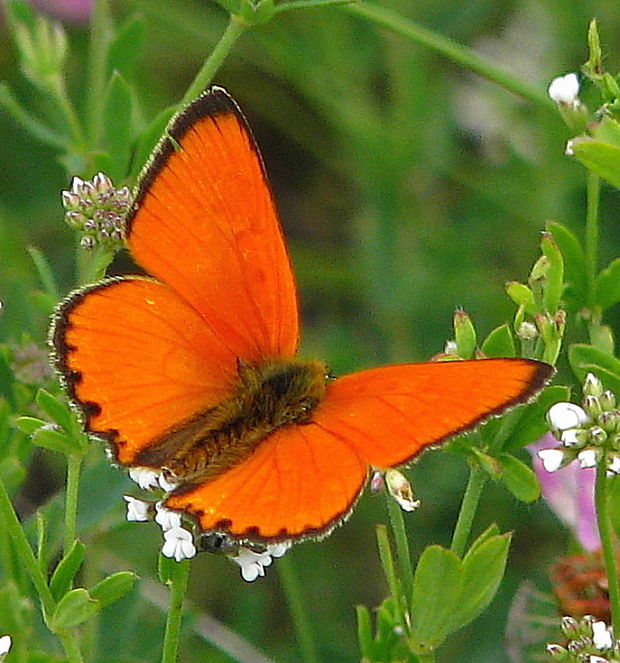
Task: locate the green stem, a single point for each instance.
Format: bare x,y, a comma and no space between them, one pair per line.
72,650
74,466
449,49
301,619
16,534
475,484
99,38
387,562
428,657
235,28
178,589
592,234
402,545
607,539
71,118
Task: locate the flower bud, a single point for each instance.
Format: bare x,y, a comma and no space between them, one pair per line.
570,627
564,89
597,436
609,420
592,385
588,457
608,400
400,489
557,652
592,406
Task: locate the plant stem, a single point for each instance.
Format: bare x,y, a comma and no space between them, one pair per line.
301,620
428,657
607,539
99,37
475,484
178,589
402,546
455,52
71,647
74,466
235,28
592,234
387,562
16,534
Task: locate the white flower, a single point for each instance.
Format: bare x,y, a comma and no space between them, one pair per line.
137,510
569,150
597,659
178,543
587,458
564,89
602,635
552,459
400,489
5,644
563,416
166,518
570,437
253,563
145,477
166,483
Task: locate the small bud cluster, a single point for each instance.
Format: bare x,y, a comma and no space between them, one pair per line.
585,432
589,641
98,211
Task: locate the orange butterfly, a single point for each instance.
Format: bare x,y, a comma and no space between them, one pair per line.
195,373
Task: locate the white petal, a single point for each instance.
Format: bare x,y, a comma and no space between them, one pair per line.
137,510
249,572
166,518
178,543
587,458
278,549
252,563
145,477
564,89
601,636
5,644
614,465
563,416
166,483
552,459
569,437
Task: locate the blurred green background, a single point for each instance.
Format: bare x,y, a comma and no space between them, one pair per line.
407,187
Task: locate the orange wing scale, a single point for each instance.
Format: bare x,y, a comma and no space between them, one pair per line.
138,359
205,224
390,414
300,481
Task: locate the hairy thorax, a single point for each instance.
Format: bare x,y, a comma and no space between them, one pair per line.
275,393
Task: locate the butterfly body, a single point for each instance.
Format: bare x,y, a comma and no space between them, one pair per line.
194,371
275,393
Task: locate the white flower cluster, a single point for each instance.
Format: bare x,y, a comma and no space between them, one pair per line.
585,432
590,641
179,541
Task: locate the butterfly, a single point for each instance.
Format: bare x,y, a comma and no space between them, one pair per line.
193,371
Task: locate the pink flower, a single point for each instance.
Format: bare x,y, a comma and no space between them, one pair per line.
569,491
74,11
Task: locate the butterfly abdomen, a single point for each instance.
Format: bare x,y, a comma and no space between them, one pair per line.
267,396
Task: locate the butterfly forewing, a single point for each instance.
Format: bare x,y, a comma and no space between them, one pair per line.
205,224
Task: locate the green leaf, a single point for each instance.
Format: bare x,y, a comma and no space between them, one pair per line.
74,608
608,285
54,440
519,478
599,157
483,570
464,335
574,261
554,281
364,632
588,359
117,125
29,424
521,295
44,270
113,587
437,585
65,571
150,136
499,343
491,531
126,48
532,424
56,409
